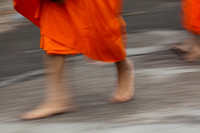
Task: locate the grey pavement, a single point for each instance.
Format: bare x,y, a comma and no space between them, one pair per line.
100,128
167,89
166,100
143,18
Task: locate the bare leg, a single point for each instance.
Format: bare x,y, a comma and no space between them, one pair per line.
125,89
56,99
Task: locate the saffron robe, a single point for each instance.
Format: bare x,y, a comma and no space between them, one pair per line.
191,15
94,28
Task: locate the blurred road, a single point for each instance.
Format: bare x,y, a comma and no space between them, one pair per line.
20,47
167,89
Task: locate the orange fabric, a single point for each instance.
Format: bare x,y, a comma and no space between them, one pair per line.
29,9
191,15
92,27
48,45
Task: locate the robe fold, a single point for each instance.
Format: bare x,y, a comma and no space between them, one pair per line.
94,28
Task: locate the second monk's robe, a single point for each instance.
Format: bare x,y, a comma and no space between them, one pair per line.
191,15
94,28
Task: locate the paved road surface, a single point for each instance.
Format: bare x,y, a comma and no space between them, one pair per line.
167,89
19,48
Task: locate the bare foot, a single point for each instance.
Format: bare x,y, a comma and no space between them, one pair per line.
57,98
47,110
125,89
179,50
189,50
184,47
192,56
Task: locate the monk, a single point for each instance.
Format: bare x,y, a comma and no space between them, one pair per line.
94,28
190,49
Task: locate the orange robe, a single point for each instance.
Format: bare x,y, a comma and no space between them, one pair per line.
191,15
94,28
